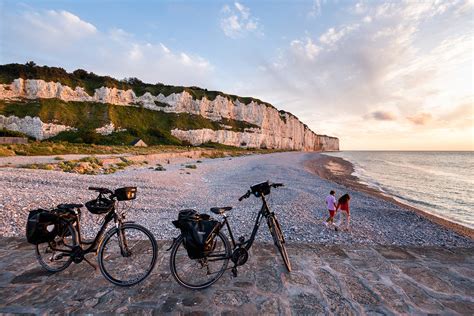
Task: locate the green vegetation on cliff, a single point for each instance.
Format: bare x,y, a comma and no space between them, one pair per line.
154,127
7,133
90,81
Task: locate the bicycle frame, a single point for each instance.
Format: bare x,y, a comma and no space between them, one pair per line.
93,245
247,244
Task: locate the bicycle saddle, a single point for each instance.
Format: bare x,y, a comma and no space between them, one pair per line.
69,206
220,210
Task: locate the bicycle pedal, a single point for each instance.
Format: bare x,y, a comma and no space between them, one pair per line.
234,272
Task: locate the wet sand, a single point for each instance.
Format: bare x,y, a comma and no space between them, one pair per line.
341,171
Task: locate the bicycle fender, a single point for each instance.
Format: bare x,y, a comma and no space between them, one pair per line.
172,244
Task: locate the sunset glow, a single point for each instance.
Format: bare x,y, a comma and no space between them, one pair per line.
380,76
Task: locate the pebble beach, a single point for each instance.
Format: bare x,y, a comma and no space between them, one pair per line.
220,182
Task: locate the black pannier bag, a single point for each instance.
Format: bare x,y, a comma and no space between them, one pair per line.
41,226
199,231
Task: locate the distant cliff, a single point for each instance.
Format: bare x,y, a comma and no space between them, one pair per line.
210,116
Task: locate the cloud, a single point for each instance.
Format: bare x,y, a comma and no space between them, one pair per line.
408,57
53,37
315,9
47,28
331,36
461,116
237,21
420,118
383,116
305,49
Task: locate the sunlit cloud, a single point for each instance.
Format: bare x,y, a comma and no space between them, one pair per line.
370,72
420,118
237,21
383,116
401,62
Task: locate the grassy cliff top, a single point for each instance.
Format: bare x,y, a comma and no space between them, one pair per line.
90,81
154,127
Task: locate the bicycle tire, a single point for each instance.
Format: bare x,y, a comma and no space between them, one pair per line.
180,241
279,240
47,264
106,271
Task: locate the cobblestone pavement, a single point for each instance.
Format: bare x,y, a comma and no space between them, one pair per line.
336,279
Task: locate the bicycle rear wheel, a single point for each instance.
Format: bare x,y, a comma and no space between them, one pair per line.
198,274
279,239
55,255
129,260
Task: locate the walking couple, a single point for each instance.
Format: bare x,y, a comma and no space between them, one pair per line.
333,207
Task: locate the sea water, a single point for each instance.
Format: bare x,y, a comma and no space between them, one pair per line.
441,183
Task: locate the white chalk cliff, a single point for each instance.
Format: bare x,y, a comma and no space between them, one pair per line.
276,129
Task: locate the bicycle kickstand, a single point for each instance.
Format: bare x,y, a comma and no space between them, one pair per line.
234,271
90,263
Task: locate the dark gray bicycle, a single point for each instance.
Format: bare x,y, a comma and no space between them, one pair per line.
202,272
126,253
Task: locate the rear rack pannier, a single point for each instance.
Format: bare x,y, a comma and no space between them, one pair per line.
41,226
126,193
199,231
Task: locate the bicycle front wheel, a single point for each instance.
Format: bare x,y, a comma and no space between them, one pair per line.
56,255
198,274
279,240
128,254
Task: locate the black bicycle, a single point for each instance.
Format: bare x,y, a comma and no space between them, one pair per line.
127,253
203,272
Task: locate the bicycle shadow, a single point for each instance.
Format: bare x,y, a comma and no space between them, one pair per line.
35,275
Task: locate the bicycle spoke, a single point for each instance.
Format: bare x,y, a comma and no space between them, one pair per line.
278,239
137,264
55,256
199,273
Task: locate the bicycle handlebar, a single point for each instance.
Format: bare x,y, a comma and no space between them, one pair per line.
101,190
247,195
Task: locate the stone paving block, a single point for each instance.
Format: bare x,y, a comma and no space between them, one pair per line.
360,292
332,252
397,302
333,293
426,277
306,304
459,306
394,253
418,296
440,254
465,270
460,284
270,306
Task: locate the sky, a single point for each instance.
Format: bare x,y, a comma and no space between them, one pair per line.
379,75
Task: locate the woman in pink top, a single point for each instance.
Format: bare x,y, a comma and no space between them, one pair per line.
343,205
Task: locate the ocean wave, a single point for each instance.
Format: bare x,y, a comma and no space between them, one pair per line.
435,172
439,183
